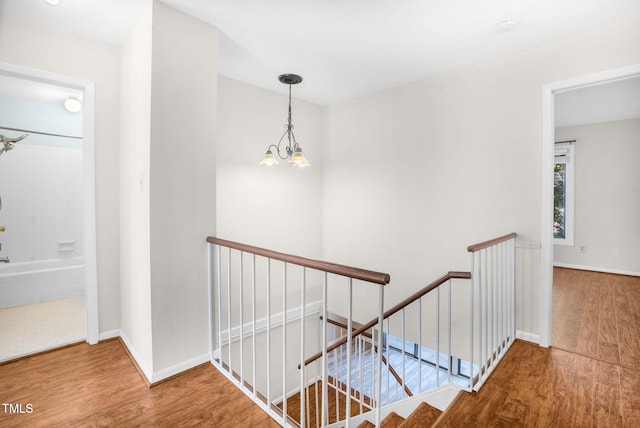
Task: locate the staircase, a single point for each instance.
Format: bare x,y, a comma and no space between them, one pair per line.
270,334
422,417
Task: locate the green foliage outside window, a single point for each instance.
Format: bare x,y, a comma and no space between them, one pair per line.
559,199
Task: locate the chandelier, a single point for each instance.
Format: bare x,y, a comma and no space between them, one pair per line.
291,150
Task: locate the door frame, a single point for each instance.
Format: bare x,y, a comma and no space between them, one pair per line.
549,91
89,179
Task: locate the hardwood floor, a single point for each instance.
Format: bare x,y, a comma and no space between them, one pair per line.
546,387
590,377
98,385
594,382
597,315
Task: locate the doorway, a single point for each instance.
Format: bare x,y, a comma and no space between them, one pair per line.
550,91
59,234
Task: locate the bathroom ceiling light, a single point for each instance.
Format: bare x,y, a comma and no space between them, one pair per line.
53,2
73,104
292,150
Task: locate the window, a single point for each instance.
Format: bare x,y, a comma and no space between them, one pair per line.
563,194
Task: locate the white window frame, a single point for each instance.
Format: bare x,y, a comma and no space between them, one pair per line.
565,153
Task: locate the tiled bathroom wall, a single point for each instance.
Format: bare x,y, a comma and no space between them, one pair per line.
41,191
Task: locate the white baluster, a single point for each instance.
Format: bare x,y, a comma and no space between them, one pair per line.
284,342
302,337
349,347
449,359
379,368
219,302
419,345
229,328
253,319
438,336
241,276
472,285
403,352
325,343
268,333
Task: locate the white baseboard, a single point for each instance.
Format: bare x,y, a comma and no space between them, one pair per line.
155,376
596,269
261,325
529,337
106,335
136,356
179,368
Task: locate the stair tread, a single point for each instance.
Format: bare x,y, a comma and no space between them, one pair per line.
392,420
423,416
366,424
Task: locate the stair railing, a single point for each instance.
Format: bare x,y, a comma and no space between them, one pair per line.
395,387
258,335
493,325
488,335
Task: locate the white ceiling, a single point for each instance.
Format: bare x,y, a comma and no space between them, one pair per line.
37,91
346,48
600,103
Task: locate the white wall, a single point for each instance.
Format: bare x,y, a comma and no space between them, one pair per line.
37,46
277,207
607,204
135,143
182,182
415,174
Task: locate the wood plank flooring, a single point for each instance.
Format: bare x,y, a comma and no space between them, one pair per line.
596,383
546,387
597,315
98,385
589,378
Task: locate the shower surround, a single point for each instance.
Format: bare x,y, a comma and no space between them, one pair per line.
41,188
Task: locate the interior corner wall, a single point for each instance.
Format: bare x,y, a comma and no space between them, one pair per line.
38,46
607,196
182,183
452,160
277,207
135,141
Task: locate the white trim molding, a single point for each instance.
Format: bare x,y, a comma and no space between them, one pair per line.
529,337
548,138
88,164
596,269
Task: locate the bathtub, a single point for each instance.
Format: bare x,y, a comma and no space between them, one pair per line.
30,282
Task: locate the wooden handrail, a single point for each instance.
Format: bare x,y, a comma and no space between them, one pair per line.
396,308
348,271
486,244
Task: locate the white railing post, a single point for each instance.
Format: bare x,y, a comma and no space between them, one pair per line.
420,345
219,290
325,343
472,309
379,368
349,347
253,319
403,354
241,277
449,359
210,298
302,337
284,343
437,373
229,329
269,334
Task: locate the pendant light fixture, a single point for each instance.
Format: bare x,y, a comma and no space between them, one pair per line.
292,150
